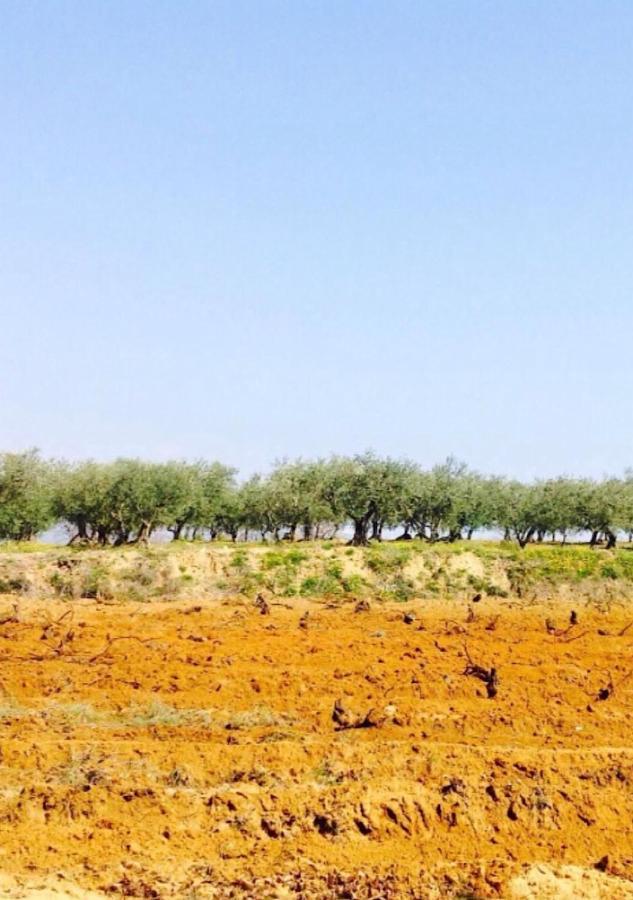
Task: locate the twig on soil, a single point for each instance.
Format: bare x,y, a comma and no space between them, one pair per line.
488,676
13,618
606,692
561,633
262,606
122,637
574,637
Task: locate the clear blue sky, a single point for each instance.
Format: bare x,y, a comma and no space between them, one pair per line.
246,230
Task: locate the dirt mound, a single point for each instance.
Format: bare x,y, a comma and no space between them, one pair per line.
391,571
173,750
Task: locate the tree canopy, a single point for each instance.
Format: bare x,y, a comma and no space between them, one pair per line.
364,497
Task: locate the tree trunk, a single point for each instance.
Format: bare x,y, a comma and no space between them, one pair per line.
82,530
525,537
360,533
611,539
469,534
143,533
176,530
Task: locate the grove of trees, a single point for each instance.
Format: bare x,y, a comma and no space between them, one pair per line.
362,497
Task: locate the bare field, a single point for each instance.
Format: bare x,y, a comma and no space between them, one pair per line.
209,750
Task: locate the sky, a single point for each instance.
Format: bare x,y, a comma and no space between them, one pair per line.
253,230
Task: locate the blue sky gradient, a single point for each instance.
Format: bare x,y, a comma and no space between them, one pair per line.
248,230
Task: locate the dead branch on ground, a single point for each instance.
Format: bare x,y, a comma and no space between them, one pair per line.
488,676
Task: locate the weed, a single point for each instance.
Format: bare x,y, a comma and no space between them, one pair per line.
483,586
178,777
239,561
15,585
257,775
384,559
78,771
397,588
75,713
95,585
326,773
290,558
260,716
9,709
158,713
62,584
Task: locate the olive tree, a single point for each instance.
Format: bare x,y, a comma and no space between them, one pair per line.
26,495
367,492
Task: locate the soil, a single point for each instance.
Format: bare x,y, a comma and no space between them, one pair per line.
207,750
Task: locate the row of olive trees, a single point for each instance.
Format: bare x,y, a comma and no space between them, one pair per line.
128,500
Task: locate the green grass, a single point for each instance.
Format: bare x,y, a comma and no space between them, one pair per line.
293,557
331,581
27,547
387,558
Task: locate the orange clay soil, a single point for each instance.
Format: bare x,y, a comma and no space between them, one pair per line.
191,751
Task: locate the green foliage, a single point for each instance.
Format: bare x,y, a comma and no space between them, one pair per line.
239,561
128,501
62,584
387,558
398,588
95,583
367,491
331,582
289,558
26,495
14,585
484,586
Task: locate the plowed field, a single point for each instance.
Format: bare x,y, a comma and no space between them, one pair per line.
179,750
